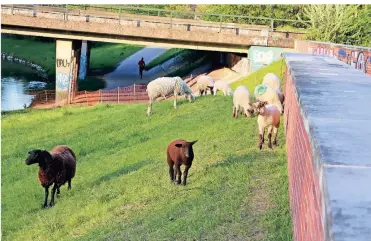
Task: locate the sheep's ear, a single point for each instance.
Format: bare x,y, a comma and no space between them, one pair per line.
193,142
178,145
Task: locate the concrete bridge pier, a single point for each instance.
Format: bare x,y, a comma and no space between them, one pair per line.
84,59
66,71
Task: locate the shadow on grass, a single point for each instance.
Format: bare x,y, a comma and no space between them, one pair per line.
122,171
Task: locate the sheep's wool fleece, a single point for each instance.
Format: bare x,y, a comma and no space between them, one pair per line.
221,85
206,81
166,86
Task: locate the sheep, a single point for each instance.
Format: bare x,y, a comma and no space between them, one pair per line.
179,152
241,99
268,116
55,167
164,86
205,82
223,86
272,81
264,92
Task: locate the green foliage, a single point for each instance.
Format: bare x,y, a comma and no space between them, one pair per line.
345,24
122,190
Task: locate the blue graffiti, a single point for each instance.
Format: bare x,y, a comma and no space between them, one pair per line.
83,65
342,53
63,81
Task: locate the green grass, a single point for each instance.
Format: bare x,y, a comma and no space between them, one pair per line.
164,57
278,67
107,56
122,190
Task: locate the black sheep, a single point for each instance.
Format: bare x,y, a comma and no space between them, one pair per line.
56,167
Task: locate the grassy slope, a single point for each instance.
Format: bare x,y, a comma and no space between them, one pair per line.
164,57
122,189
106,56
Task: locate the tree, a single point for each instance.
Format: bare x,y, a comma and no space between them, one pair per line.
345,24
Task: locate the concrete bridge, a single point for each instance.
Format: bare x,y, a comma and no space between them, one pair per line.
73,28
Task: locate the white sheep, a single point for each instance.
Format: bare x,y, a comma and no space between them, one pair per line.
241,99
272,81
164,86
268,117
265,93
223,86
205,82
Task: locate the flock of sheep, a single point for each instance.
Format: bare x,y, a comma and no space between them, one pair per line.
58,166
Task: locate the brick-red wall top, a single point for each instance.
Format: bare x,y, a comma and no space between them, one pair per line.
334,101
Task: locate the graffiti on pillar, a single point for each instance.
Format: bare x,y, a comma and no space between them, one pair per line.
63,62
83,65
263,56
62,81
357,57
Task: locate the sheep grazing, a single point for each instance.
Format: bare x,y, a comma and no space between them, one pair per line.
55,167
223,86
268,116
264,92
272,81
163,86
241,101
204,83
179,152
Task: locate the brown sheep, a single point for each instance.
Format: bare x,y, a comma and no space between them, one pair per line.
179,152
56,167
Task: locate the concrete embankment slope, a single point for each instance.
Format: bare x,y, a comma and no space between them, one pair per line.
327,124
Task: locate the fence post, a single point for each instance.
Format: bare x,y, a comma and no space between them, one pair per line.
100,94
135,98
86,98
66,14
119,15
12,9
118,95
46,96
220,27
272,24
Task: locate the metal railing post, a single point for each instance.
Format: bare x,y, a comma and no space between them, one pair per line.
12,9
66,14
119,15
171,19
220,27
34,10
46,96
100,93
118,95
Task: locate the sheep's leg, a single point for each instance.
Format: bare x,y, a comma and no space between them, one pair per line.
179,173
175,95
275,132
69,184
149,110
53,194
270,136
171,173
185,174
234,112
261,136
58,191
46,197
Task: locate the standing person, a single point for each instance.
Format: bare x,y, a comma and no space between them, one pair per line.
141,64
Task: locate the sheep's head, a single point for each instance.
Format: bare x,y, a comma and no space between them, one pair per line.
258,106
187,148
38,156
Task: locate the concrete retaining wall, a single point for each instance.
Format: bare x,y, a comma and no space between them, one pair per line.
329,153
357,57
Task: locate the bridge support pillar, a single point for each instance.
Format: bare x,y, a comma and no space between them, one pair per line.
66,71
84,60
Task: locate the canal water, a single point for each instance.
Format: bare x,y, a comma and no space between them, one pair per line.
16,81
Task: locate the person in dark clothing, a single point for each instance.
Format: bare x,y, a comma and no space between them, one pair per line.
142,65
